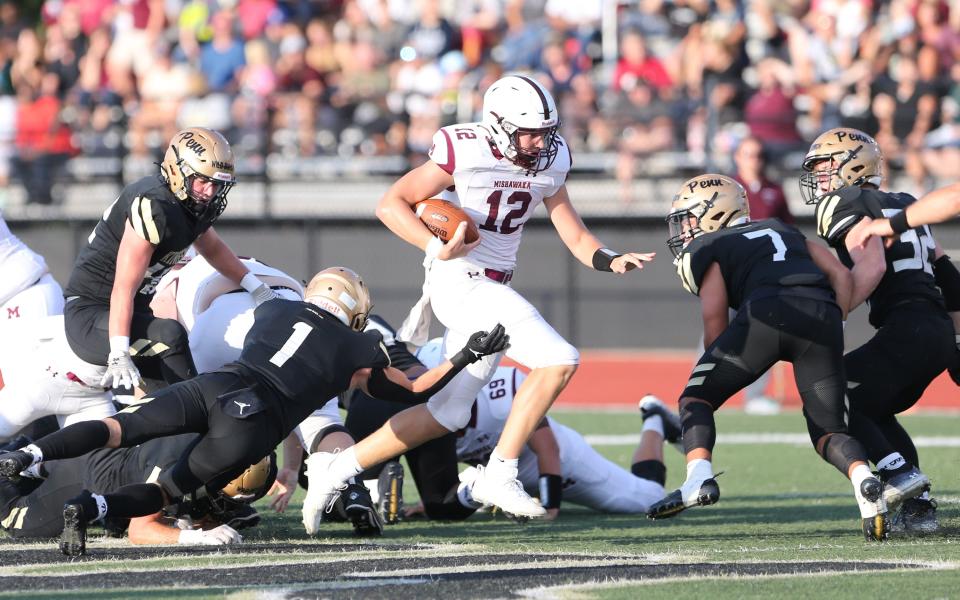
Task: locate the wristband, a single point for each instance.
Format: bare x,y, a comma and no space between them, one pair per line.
433,247
119,343
250,282
602,259
551,491
463,358
898,222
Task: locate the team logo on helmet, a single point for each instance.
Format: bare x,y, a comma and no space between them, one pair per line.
839,158
705,204
198,168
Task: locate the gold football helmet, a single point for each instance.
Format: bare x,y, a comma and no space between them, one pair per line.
704,204
342,293
846,157
198,168
255,480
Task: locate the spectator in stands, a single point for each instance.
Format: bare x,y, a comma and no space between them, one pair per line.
137,27
769,113
522,42
42,140
299,88
222,58
636,64
647,126
766,197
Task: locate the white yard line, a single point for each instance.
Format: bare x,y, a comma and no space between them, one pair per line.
744,439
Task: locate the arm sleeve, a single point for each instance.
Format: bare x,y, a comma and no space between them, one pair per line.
147,218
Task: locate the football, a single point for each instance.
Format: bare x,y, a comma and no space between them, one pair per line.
442,218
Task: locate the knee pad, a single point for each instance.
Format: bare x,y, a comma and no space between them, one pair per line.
653,470
170,333
841,450
699,429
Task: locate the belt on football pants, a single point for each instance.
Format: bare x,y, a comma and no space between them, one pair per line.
498,276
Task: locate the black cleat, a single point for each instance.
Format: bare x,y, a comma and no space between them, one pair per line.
390,488
903,484
73,540
242,517
916,515
12,463
673,503
359,508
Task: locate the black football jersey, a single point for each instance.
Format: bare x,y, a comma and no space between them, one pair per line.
909,274
158,217
307,355
109,469
762,258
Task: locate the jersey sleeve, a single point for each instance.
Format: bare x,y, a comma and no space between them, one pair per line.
442,151
147,218
838,213
378,355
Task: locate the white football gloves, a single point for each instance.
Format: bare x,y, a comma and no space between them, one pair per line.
219,536
260,291
121,372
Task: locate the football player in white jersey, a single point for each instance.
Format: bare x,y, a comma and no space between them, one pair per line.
558,463
40,375
499,170
27,290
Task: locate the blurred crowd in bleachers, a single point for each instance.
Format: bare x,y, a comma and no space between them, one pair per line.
286,79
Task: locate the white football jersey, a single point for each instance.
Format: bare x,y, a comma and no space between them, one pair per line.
20,267
199,284
498,195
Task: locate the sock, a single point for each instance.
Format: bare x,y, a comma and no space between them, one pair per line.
75,440
654,423
699,469
345,465
502,468
858,475
465,497
134,500
37,453
101,507
34,471
373,486
891,462
924,496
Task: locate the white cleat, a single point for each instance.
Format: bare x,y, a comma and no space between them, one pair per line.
506,494
761,405
323,490
873,509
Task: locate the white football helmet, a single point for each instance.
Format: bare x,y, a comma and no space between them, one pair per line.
517,104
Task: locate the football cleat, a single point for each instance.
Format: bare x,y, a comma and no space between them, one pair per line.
676,502
323,491
359,508
13,463
902,486
916,515
390,490
873,509
73,540
650,405
507,494
243,516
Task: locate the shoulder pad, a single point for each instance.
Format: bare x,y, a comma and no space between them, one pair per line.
459,147
837,212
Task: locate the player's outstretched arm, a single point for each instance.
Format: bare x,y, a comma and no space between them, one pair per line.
584,245
212,247
840,277
936,207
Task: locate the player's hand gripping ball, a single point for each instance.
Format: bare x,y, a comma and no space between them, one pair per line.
442,218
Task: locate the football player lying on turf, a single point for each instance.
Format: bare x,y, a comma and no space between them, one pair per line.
558,463
791,296
33,508
296,356
217,319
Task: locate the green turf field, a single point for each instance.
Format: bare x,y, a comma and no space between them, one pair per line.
786,525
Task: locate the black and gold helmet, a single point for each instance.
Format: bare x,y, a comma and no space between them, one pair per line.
704,204
198,156
846,157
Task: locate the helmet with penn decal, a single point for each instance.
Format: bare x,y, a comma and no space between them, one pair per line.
705,204
198,169
839,158
516,105
342,293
